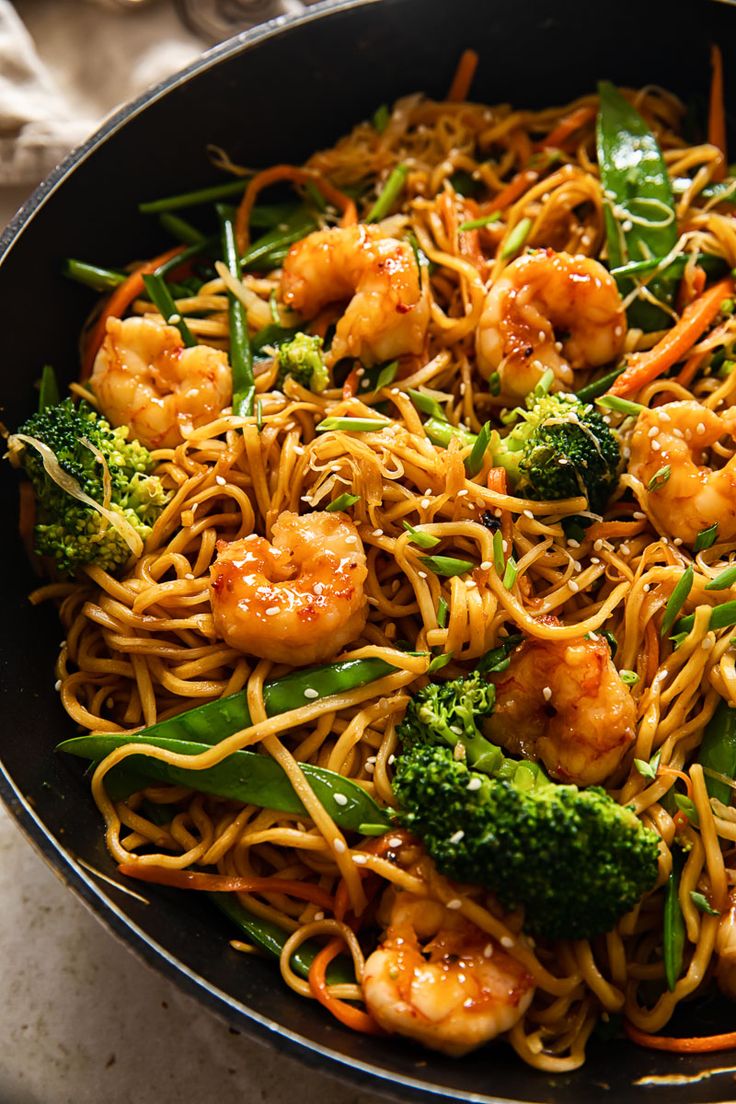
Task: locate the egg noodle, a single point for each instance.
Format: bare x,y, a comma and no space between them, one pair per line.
142,645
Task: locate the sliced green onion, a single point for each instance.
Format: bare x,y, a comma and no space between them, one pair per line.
706,538
474,462
259,415
628,677
439,662
353,425
241,353
702,903
441,432
677,600
544,383
686,806
99,279
381,118
509,575
726,369
621,406
48,388
160,296
723,581
648,770
180,229
515,241
494,383
477,224
712,264
659,478
193,199
721,617
426,404
391,191
442,611
387,375
423,540
342,502
499,560
610,640
447,565
600,386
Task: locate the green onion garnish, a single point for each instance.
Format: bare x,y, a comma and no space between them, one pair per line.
621,406
600,386
390,192
241,353
180,229
342,502
721,617
477,224
353,425
259,415
499,560
423,540
381,117
442,611
648,770
387,375
677,600
702,903
426,404
193,199
706,538
439,662
99,279
723,581
509,575
474,462
494,383
629,677
659,478
686,806
447,565
160,296
515,241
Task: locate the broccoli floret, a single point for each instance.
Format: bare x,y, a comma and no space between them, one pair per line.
445,714
574,859
560,448
67,529
302,359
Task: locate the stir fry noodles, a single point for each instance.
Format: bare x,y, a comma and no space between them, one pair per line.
392,523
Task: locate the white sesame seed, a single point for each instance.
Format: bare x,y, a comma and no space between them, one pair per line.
319,916
462,492
351,540
377,532
488,950
577,566
174,319
470,584
574,587
457,836
394,391
638,515
708,643
456,729
370,767
558,346
594,560
391,759
528,514
474,784
425,503
498,513
547,693
653,431
340,846
700,428
57,685
310,693
395,841
677,433
428,491
646,588
189,575
505,545
422,574
677,541
360,859
340,799
598,545
624,549
220,480
664,416
271,611
627,225
455,903
507,941
656,446
486,565
571,543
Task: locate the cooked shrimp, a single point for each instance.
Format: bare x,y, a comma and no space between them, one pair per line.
564,703
667,453
726,949
145,378
549,310
298,600
388,313
439,979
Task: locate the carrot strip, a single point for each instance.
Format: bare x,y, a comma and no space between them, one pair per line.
513,190
607,529
716,111
351,1017
691,286
226,883
694,1045
297,176
350,387
574,121
118,303
681,775
463,76
644,367
690,369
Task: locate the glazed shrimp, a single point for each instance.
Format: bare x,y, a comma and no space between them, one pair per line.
388,312
683,495
298,600
564,703
439,979
145,378
549,310
726,949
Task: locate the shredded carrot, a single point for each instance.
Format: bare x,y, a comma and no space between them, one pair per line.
226,883
497,480
513,190
351,1017
716,111
463,76
644,367
557,137
691,286
118,303
604,530
350,387
690,369
694,1045
297,176
681,775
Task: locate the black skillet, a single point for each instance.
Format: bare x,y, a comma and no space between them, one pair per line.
276,94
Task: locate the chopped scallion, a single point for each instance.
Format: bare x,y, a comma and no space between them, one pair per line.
629,677
421,539
621,406
659,478
439,662
474,462
723,581
342,502
515,240
353,425
677,600
722,617
193,199
706,538
426,404
499,560
241,353
180,229
390,192
447,565
381,117
510,573
160,296
702,903
686,806
442,611
479,223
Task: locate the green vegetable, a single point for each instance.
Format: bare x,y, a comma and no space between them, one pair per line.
182,230
273,334
688,807
92,276
390,192
439,662
560,448
421,539
717,752
677,600
600,386
441,432
342,502
724,580
48,389
702,903
447,713
442,611
193,199
648,770
510,573
69,529
381,118
269,250
706,538
387,375
621,406
477,224
515,241
499,559
574,859
721,617
353,425
659,478
674,925
630,678
447,565
712,265
474,462
426,404
241,354
302,359
160,296
640,215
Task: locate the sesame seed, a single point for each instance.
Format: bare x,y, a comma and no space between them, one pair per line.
351,540
486,565
677,541
340,846
653,431
174,319
488,950
220,480
505,545
57,685
319,916
394,391
594,560
462,492
377,532
558,346
700,428
428,491
395,841
528,514
470,584
391,759
474,784
507,941
455,903
656,446
547,693
677,433
638,515
708,643
340,799
624,549
370,767
573,543
422,574
272,611
310,693
598,545
574,587
577,566
189,575
456,729
425,503
498,513
664,416
457,836
627,225
360,859
646,588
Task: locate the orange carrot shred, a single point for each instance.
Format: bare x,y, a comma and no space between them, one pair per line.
118,303
716,112
226,883
463,76
693,1045
351,1017
557,137
350,387
511,192
297,176
644,367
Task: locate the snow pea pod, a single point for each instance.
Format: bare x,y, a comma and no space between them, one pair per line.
718,751
640,212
